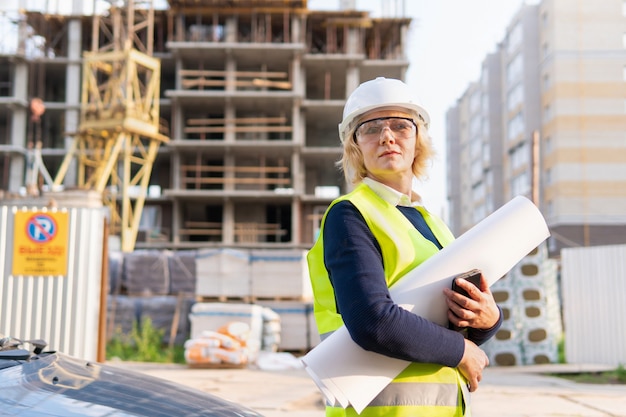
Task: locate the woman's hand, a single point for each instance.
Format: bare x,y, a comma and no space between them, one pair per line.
478,311
472,363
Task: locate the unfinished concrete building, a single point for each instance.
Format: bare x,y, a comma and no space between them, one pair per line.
251,93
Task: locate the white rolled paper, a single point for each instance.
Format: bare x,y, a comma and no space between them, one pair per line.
347,375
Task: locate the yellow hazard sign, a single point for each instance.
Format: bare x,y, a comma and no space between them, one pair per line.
40,243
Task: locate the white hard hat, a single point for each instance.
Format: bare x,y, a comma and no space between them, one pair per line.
378,94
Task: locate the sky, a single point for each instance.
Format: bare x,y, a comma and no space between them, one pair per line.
448,41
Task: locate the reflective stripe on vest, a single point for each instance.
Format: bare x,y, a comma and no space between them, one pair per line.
420,390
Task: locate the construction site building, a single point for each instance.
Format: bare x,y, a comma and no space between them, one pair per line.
251,93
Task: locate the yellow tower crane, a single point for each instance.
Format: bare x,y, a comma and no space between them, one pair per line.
118,136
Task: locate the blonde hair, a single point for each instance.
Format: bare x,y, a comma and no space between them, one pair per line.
353,166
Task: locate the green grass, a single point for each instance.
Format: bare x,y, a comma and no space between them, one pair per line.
617,376
143,344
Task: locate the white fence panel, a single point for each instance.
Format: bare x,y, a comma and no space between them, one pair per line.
63,310
594,303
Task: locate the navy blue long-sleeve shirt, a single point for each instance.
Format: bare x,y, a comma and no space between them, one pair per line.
353,258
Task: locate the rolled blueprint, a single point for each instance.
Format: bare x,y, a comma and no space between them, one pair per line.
347,375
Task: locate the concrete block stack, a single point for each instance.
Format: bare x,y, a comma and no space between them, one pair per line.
295,324
223,273
278,274
532,327
280,281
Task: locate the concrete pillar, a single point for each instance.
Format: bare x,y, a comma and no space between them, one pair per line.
229,161
297,178
298,87
178,84
354,46
296,221
297,135
176,220
228,223
297,174
404,36
230,68
229,115
19,124
353,43
296,29
73,89
231,29
352,79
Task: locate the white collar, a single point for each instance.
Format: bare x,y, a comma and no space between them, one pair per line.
393,197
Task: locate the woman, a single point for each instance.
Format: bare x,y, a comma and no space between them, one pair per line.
371,237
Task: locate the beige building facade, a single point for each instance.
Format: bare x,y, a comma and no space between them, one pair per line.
562,91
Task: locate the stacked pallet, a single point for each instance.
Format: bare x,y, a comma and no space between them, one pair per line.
297,324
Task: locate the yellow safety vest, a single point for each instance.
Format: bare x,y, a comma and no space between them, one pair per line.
422,389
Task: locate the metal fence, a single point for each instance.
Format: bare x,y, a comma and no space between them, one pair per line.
593,283
51,276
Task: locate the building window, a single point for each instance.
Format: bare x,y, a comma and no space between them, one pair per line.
547,113
520,184
623,7
485,78
485,127
547,83
515,97
486,154
547,145
515,126
548,176
475,146
475,127
476,172
475,101
515,38
520,156
550,208
624,40
515,68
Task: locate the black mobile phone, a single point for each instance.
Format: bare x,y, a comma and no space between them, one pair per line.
472,276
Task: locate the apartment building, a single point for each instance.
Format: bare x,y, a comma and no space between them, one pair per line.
546,120
251,94
560,131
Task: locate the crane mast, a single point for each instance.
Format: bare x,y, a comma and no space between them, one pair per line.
118,135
